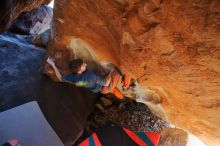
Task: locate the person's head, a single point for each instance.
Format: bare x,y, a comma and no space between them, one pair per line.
77,66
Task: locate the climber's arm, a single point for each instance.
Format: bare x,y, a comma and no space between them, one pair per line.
57,73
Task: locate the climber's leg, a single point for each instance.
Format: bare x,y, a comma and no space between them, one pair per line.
117,93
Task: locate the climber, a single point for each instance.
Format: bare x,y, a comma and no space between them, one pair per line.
82,77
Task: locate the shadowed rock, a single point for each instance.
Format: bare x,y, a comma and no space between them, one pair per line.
65,106
10,9
33,22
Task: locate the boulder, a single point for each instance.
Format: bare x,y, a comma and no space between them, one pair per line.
171,47
10,9
33,22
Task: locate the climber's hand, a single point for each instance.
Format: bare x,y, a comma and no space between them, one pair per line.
50,61
108,80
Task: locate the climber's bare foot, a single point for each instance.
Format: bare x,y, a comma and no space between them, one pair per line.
14,142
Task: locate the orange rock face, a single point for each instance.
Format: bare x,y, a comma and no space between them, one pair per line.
170,46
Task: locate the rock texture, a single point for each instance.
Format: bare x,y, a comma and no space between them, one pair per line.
171,47
10,9
35,25
173,137
19,70
33,22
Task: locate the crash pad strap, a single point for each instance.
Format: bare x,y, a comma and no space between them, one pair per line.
91,141
154,137
114,136
142,139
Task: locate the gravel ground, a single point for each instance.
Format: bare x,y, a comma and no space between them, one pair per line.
129,114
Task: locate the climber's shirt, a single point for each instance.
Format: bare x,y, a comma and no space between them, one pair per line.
87,79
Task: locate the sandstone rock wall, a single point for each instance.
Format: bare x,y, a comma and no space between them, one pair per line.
171,47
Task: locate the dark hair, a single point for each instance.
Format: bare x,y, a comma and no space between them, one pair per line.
75,65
